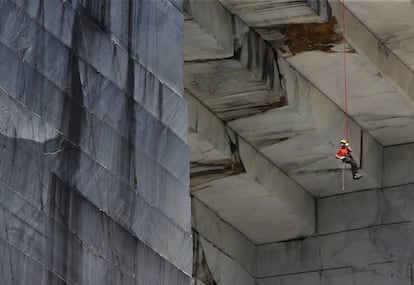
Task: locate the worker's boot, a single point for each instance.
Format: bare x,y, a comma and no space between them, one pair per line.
357,176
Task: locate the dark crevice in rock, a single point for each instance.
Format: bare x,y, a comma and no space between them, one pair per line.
61,204
201,270
274,36
128,155
63,207
322,8
60,195
41,12
187,9
213,170
96,11
205,172
73,116
250,111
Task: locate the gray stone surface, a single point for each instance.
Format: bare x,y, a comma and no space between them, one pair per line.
363,238
261,213
385,45
223,268
263,13
224,236
393,273
94,178
321,7
219,158
14,261
367,208
208,136
208,31
356,248
244,80
59,237
364,229
223,254
398,164
373,102
301,138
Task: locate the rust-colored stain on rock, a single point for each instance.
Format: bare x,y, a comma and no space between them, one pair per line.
307,37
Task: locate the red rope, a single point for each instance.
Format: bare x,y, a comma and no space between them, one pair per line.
345,78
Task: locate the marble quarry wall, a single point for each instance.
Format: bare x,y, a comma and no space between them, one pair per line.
191,142
363,237
94,179
264,81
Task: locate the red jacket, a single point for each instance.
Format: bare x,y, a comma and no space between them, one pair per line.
343,151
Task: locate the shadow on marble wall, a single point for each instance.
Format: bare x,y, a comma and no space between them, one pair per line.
62,235
92,192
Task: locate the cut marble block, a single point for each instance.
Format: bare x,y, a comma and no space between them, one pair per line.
94,162
364,209
264,13
283,210
356,248
372,100
256,212
301,139
208,31
224,236
390,273
398,165
384,43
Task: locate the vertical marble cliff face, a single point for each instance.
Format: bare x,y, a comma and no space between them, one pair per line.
272,86
94,156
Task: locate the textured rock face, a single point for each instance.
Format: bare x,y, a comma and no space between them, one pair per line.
94,156
271,204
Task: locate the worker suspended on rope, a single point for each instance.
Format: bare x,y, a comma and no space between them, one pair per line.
344,153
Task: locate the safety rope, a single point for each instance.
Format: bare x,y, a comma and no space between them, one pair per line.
345,87
343,184
345,77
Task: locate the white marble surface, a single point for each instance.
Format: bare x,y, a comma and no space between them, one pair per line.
356,248
264,13
283,210
398,165
391,22
374,103
385,274
224,236
255,211
208,31
208,138
244,83
390,55
275,181
224,269
304,147
228,88
363,237
367,208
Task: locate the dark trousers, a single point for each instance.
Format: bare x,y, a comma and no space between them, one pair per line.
351,161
